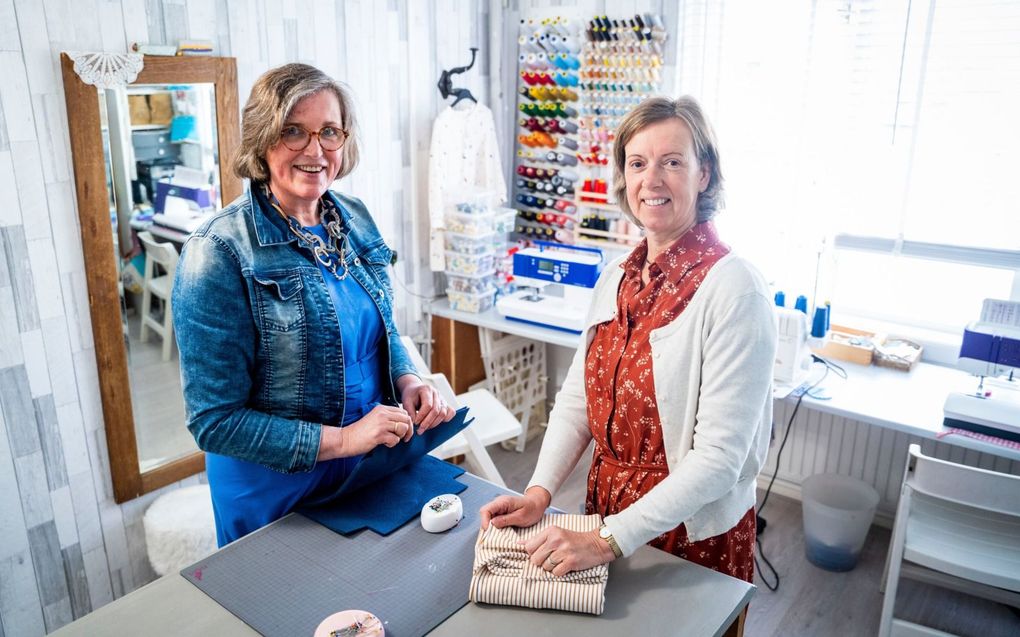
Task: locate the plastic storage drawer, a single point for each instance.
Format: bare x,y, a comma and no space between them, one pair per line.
468,302
469,264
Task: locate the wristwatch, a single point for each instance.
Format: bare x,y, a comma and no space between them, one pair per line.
608,537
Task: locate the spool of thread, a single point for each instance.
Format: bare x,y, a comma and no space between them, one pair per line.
780,299
818,328
801,304
828,315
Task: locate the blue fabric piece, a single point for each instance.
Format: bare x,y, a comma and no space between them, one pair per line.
382,461
392,501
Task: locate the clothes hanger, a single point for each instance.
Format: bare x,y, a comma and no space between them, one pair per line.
445,85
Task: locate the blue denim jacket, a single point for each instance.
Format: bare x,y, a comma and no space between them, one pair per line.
261,360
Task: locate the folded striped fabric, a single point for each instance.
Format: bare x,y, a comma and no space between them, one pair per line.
503,575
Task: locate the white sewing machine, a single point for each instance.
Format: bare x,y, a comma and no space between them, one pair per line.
793,357
991,351
558,281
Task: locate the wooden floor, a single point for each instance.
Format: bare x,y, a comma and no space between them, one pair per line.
810,600
157,400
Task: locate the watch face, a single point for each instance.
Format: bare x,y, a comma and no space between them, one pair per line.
604,532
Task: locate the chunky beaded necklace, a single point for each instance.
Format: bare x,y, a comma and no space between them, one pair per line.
332,255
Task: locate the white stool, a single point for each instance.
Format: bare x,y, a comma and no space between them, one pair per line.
179,529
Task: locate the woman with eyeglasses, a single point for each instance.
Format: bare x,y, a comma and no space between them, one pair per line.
291,364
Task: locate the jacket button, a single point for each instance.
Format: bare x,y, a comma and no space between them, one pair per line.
357,261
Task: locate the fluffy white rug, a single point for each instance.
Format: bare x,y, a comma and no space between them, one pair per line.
179,529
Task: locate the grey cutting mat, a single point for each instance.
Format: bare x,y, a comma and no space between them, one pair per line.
286,578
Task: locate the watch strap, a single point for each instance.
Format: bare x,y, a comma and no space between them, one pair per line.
608,537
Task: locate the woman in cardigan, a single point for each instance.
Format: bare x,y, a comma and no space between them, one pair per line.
674,383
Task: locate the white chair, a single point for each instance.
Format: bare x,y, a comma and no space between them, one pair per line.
493,421
159,285
957,527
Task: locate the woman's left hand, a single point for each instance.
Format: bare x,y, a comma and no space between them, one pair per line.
423,402
560,551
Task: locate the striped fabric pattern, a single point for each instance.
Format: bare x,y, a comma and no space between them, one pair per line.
503,575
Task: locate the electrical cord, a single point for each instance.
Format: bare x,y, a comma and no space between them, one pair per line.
393,269
839,371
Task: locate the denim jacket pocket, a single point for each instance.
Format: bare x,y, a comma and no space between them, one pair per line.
284,340
278,296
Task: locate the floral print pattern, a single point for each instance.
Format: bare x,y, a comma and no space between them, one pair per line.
623,415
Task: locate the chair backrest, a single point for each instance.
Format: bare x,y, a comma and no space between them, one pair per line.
165,254
415,355
438,381
970,486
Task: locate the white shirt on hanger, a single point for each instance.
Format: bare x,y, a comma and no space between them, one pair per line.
463,158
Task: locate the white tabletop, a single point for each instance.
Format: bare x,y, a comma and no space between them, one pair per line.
909,402
493,320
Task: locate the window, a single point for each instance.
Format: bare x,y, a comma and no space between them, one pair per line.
869,148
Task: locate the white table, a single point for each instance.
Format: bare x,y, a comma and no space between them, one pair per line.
493,320
908,402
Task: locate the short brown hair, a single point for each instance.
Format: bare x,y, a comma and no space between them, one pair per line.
658,109
272,98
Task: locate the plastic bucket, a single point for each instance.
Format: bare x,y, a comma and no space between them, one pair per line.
838,511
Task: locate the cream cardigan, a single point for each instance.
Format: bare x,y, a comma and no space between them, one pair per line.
713,382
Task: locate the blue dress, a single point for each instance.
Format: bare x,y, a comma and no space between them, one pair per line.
247,496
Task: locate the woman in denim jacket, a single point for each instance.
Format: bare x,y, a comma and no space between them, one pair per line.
291,364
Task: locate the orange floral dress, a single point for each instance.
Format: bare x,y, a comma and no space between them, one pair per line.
630,457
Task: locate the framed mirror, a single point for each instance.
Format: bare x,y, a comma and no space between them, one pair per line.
151,161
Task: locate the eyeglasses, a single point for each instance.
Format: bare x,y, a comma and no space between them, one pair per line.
296,137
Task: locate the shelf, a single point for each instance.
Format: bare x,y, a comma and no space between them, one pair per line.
165,127
596,206
608,235
601,243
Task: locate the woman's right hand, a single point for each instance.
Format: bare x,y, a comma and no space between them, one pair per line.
384,425
516,510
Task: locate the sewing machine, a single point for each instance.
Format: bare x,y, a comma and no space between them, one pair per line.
991,351
558,282
792,354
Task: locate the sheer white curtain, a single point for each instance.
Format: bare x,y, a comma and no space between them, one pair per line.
859,136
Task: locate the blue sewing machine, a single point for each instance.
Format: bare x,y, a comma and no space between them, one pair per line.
991,351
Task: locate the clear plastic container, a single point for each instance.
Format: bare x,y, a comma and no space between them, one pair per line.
469,264
503,220
838,511
468,302
469,200
469,284
469,244
479,222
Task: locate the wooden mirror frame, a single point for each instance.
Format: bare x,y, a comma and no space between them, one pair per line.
101,274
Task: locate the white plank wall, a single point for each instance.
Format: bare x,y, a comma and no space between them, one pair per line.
65,547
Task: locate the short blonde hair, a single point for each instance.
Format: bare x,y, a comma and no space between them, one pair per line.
272,98
658,109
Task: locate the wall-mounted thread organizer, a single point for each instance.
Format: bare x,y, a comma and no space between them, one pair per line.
621,66
547,142
575,82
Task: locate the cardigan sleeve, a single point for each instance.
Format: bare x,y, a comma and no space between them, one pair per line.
738,354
